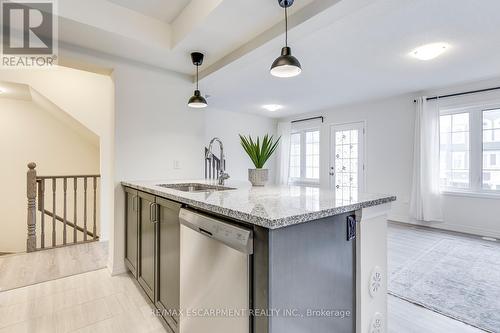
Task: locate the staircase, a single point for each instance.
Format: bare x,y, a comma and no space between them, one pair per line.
53,222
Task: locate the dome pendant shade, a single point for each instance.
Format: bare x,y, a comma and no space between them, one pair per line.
286,65
197,101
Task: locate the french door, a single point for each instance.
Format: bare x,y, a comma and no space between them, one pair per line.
347,161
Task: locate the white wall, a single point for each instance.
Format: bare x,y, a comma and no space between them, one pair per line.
227,125
88,98
389,144
389,155
30,133
154,127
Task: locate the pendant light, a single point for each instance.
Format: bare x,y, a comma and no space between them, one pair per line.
286,65
197,101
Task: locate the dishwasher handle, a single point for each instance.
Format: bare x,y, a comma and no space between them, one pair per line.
232,235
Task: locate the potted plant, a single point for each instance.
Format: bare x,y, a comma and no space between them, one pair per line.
259,152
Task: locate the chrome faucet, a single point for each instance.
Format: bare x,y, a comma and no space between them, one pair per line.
221,175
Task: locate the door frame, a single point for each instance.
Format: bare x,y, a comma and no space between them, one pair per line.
361,150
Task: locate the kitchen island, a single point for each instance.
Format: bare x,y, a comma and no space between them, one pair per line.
300,261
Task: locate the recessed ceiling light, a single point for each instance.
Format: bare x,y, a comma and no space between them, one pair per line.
429,51
1,91
272,107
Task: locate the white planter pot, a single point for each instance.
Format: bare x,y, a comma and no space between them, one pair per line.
258,177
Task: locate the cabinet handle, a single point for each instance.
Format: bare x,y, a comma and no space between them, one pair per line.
155,209
151,212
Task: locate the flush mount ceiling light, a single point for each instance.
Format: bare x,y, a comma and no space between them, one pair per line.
429,51
197,101
286,65
272,107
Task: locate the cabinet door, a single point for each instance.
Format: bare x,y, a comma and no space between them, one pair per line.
131,229
168,260
146,265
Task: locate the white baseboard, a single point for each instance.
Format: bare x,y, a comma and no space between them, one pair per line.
449,227
116,268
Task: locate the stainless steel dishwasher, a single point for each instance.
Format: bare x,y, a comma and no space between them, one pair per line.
214,275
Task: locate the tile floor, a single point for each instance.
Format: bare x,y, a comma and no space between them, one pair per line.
89,302
23,269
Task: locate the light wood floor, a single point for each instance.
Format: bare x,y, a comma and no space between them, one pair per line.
91,302
404,243
23,269
98,302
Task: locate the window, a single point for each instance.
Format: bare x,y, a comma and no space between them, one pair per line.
491,150
312,155
455,150
304,156
470,150
295,155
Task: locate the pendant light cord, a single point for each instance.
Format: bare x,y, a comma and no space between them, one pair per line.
197,77
286,27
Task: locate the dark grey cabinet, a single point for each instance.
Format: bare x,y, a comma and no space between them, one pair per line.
147,244
152,249
168,260
131,229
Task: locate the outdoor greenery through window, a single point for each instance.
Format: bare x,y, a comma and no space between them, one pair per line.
304,156
470,150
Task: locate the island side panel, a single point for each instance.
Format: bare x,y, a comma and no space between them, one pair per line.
371,251
312,267
260,280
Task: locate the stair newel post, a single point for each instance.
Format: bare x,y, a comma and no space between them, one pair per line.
31,195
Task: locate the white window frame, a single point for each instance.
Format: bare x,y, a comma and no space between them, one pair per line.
476,151
302,180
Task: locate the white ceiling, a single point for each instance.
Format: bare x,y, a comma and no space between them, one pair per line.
350,50
131,28
164,10
364,56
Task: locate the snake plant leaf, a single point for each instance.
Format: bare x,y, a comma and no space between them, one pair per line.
259,150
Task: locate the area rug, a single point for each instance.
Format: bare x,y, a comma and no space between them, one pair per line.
457,278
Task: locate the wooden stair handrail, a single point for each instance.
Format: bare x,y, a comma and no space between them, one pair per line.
36,186
68,223
68,176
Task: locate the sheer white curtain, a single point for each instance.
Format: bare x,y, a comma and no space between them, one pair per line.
425,202
284,130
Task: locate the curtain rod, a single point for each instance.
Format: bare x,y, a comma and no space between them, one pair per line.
306,119
462,93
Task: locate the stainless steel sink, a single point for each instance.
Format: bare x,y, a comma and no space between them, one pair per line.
196,187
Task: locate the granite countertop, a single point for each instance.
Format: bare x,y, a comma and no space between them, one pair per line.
271,206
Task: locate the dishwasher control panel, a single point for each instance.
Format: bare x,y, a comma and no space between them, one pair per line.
235,236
